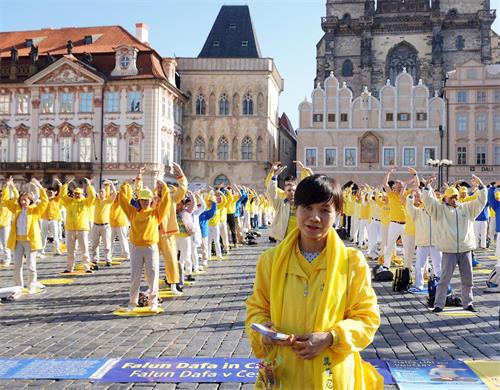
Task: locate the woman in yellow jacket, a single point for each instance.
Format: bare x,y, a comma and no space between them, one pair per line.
144,237
314,289
77,223
25,238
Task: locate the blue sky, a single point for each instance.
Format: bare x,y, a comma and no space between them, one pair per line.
287,30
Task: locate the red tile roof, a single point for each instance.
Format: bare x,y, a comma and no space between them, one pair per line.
54,41
105,40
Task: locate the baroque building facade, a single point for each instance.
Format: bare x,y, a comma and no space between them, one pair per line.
92,101
365,43
359,139
473,98
231,120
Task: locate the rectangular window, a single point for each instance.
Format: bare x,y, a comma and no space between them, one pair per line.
113,101
350,158
481,123
403,116
481,97
389,157
65,144
462,155
481,154
421,116
133,150
163,106
409,157
85,149
429,154
67,102
46,145
311,157
85,101
389,116
331,117
111,149
3,149
134,101
318,118
21,149
496,123
497,154
462,123
23,104
343,117
244,43
4,104
47,103
497,95
330,157
462,97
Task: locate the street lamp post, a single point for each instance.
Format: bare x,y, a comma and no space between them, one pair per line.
440,168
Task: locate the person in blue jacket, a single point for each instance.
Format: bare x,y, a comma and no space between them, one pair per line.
238,214
481,227
204,217
494,203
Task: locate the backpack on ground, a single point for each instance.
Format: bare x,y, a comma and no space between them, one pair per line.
382,274
432,288
8,294
493,280
402,279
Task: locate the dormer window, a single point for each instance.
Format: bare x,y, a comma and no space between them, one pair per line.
88,40
244,43
216,43
28,42
125,61
232,25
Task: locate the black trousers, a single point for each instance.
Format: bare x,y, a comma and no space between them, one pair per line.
232,227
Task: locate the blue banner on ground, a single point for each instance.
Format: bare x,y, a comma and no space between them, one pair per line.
50,368
383,369
196,370
430,374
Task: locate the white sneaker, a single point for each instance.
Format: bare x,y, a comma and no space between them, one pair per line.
39,285
173,289
32,290
205,263
130,308
154,308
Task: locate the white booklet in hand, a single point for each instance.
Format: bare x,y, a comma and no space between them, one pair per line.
266,331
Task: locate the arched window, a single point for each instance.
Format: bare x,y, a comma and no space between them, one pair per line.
247,149
347,68
403,55
199,149
346,19
201,105
221,179
247,104
223,105
223,148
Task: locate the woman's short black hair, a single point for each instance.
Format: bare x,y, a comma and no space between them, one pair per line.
319,189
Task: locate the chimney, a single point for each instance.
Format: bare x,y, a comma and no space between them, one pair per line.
142,32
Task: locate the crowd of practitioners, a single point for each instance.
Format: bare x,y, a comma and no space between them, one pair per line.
437,228
181,226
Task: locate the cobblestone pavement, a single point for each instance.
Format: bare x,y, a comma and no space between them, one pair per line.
76,321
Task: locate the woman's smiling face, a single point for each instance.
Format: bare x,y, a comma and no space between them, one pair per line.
315,220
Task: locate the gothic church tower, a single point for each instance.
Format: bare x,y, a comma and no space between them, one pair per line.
367,42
